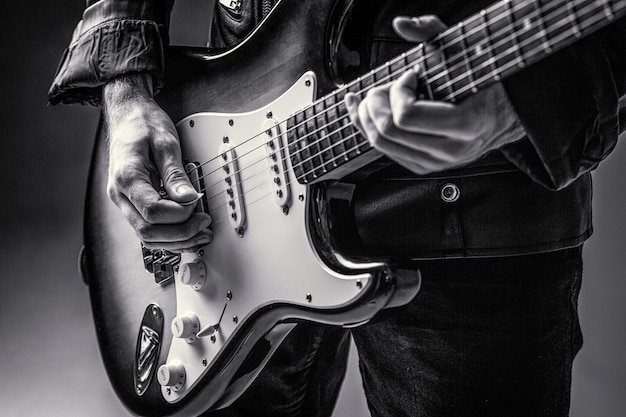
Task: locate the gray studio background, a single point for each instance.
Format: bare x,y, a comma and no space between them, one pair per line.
49,360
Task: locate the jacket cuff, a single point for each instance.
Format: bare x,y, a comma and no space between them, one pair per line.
569,106
114,38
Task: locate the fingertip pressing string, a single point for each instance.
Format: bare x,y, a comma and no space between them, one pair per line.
414,66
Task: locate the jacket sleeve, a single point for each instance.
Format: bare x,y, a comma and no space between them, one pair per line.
114,37
572,106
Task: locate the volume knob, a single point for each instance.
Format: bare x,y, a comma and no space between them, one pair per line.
172,375
186,327
193,274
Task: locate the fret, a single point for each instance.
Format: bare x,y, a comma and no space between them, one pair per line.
526,29
573,19
556,19
398,66
607,9
542,27
330,116
442,82
297,159
492,59
484,48
340,116
454,51
466,59
313,140
380,75
424,71
519,57
349,135
477,49
323,131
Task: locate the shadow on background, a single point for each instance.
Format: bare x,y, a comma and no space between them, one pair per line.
50,362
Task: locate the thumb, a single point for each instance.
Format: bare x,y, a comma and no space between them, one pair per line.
418,29
176,182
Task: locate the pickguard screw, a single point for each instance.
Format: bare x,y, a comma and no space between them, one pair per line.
229,295
231,122
204,362
201,252
307,83
225,139
213,339
191,123
301,197
235,319
309,297
269,114
359,284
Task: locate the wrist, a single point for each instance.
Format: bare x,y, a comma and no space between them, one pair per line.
122,95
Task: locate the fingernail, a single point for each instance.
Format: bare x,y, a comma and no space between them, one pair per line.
350,99
195,200
204,241
185,189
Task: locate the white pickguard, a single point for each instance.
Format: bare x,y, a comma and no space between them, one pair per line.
273,262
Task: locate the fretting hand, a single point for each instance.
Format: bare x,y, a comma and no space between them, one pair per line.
428,136
145,151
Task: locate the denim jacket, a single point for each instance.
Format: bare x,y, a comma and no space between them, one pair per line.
530,196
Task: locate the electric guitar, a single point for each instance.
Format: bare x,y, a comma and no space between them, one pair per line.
264,132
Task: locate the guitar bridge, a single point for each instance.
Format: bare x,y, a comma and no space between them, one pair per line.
161,263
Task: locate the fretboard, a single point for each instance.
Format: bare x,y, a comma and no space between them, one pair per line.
483,49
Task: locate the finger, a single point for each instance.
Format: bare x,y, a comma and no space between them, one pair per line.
352,102
190,245
153,208
379,115
418,29
402,96
368,124
168,158
170,233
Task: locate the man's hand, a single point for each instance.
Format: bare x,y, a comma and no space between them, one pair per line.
145,151
429,136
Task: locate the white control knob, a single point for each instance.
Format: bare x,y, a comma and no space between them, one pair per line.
186,327
172,375
193,274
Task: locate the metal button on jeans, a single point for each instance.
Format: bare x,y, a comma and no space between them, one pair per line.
450,193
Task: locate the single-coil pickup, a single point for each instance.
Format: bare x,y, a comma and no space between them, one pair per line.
232,192
276,161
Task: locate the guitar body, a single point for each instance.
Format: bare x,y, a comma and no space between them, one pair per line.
262,145
274,260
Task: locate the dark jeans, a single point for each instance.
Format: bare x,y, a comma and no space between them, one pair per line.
484,337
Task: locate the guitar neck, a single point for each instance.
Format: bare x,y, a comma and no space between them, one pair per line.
483,49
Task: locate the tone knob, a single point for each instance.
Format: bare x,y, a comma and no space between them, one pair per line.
186,327
172,375
193,274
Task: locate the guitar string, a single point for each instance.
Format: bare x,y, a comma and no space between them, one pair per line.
334,107
352,136
339,104
486,64
434,69
356,133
